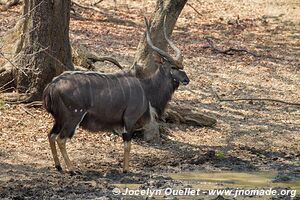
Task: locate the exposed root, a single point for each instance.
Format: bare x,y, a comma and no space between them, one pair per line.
85,59
109,59
7,79
176,114
15,98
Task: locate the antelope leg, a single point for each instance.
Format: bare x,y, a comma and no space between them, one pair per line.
127,147
62,146
52,139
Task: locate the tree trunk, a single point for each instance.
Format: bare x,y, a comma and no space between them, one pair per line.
42,49
169,8
144,64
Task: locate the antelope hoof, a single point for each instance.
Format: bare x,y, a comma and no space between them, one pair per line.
126,169
74,173
58,167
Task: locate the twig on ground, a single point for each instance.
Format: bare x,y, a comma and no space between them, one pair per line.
7,89
97,2
229,51
12,64
27,111
34,104
255,99
6,84
190,5
188,89
87,7
199,1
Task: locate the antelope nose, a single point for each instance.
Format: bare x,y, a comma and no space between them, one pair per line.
185,81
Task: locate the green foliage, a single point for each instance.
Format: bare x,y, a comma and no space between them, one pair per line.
2,103
295,163
220,154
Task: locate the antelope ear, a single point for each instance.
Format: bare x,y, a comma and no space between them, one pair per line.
158,58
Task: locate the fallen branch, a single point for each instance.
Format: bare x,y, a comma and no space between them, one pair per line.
256,99
229,51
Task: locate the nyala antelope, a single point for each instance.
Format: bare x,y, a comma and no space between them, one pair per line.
118,101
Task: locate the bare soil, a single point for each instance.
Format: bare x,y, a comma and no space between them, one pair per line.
249,136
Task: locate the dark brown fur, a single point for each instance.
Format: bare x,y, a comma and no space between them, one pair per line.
106,101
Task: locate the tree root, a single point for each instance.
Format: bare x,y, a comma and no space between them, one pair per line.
105,58
175,114
14,98
84,58
7,79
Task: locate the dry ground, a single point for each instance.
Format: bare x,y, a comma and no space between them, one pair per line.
249,135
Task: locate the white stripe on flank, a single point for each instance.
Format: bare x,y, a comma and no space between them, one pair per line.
109,87
121,87
129,85
153,112
142,93
81,120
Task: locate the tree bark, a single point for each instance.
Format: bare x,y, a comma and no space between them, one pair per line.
169,8
42,49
